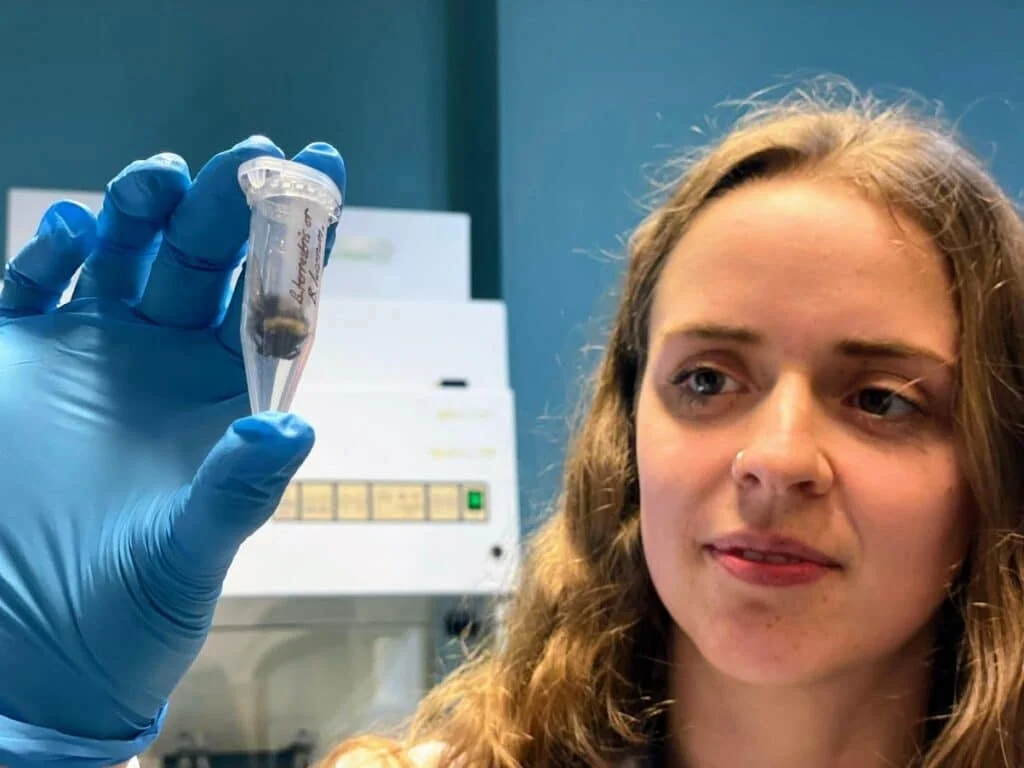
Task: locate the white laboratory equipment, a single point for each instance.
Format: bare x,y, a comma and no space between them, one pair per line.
401,528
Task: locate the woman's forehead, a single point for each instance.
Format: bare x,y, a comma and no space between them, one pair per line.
799,260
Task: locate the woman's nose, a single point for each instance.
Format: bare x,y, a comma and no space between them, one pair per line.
783,454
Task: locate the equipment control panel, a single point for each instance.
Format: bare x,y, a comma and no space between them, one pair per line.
405,502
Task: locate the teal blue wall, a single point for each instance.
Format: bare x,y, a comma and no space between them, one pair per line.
84,89
595,93
541,118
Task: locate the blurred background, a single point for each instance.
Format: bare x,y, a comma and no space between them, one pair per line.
541,120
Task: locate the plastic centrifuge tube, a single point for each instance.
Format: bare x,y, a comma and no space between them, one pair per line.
292,207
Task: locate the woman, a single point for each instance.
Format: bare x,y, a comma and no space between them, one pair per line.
788,532
788,529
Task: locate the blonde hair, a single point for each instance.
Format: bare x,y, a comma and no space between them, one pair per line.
581,676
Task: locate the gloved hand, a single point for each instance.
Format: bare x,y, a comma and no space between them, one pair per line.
130,469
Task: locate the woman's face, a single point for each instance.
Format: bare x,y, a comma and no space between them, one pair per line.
802,508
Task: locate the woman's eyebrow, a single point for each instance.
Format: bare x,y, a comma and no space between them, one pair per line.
852,347
891,348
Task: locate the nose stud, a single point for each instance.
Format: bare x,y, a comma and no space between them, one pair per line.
736,462
745,476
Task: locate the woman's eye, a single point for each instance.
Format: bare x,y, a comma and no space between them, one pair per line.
885,403
702,383
704,388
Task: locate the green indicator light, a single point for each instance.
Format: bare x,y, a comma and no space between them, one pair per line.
475,500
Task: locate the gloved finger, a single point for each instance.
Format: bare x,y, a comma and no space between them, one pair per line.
230,331
136,207
38,276
191,275
324,158
237,489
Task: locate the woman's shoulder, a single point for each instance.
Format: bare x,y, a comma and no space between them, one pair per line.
426,756
420,756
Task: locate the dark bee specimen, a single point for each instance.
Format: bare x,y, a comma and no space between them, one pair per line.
278,329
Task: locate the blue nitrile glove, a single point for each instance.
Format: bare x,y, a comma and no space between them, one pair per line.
130,470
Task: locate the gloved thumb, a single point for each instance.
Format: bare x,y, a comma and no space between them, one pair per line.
238,487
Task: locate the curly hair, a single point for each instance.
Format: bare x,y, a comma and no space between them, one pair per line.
579,678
